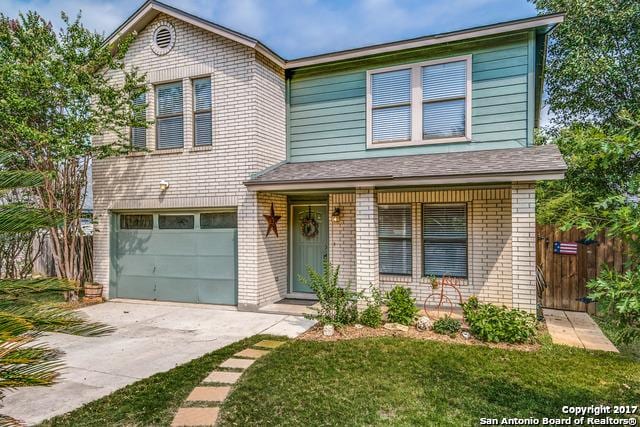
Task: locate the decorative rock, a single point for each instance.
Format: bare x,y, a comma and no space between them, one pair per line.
396,327
359,326
328,330
424,324
466,335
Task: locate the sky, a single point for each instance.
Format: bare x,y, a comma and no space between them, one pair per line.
296,28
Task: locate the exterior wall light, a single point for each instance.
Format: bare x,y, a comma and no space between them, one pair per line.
335,216
164,185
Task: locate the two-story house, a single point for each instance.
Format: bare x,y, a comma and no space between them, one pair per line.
399,162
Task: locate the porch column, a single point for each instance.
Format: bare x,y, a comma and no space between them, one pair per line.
366,239
523,245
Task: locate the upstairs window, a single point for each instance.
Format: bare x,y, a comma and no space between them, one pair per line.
391,106
444,89
444,233
394,239
139,134
202,111
169,117
422,103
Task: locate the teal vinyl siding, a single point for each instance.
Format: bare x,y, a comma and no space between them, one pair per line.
327,107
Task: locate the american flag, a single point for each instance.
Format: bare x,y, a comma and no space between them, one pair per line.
565,248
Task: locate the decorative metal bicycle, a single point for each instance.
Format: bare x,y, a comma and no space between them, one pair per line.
439,304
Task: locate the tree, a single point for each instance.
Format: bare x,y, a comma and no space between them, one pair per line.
58,91
592,73
602,183
29,307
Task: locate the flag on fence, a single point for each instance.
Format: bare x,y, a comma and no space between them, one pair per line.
565,248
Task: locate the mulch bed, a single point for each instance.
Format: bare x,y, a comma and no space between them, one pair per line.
351,332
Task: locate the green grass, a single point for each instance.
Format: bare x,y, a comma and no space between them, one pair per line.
154,400
408,382
381,381
630,349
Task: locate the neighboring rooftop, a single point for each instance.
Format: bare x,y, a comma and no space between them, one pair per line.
502,165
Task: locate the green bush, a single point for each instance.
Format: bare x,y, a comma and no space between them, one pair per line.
338,306
488,322
447,325
618,297
372,315
401,306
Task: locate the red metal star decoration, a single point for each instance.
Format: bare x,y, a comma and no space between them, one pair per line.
272,220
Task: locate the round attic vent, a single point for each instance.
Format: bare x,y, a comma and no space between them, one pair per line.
164,37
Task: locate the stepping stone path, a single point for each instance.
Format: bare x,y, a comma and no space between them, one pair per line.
215,388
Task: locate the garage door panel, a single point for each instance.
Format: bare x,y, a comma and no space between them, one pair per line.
137,287
173,243
215,242
177,265
132,242
182,290
219,290
216,268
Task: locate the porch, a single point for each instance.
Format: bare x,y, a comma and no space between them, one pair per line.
401,220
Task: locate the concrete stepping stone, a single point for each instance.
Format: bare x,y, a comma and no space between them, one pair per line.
209,394
223,377
190,417
237,363
251,353
269,344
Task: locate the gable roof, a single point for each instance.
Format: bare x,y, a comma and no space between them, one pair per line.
502,165
151,8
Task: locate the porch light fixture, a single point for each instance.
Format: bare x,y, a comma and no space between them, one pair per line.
335,216
164,185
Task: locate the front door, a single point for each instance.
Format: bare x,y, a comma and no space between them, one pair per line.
309,242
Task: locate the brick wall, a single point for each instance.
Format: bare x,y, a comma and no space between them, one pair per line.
494,273
342,236
248,109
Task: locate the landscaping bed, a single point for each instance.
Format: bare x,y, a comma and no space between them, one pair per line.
353,332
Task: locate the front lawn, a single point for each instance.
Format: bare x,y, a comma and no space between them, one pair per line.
409,382
382,380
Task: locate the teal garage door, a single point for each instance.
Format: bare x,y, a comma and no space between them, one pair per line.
184,257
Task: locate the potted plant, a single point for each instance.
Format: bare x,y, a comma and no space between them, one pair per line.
92,290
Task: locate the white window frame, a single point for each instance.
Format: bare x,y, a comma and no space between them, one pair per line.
416,105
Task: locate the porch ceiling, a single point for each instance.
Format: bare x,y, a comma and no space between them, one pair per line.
506,165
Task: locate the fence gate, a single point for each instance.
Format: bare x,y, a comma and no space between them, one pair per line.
567,275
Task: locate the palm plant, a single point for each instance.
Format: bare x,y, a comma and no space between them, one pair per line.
29,307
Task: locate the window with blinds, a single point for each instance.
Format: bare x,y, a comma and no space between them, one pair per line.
419,103
391,106
169,118
444,233
444,89
394,239
202,111
139,134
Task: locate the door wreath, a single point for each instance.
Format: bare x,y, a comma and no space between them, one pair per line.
309,226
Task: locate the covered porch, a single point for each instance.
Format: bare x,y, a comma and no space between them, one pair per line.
409,219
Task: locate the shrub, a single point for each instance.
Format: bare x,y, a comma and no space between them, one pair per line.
618,296
401,306
338,306
446,325
372,315
488,322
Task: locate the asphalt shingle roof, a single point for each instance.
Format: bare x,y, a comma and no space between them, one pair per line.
529,160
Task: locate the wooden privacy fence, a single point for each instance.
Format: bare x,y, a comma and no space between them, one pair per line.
44,263
567,275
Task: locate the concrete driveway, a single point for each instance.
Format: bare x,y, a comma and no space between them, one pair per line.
150,337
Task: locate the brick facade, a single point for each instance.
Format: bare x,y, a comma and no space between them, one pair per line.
501,271
248,108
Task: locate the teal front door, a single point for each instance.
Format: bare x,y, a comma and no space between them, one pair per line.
309,242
